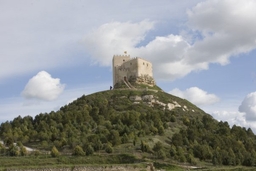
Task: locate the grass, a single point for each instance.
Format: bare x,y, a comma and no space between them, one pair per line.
167,167
227,168
46,161
125,160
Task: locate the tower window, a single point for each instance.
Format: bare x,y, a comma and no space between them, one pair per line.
123,60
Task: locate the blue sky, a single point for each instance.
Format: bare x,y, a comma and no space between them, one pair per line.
53,52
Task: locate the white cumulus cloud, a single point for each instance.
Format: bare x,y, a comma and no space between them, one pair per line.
196,96
115,38
43,87
216,30
248,106
226,28
245,116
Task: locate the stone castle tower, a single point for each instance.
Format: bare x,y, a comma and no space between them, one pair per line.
128,70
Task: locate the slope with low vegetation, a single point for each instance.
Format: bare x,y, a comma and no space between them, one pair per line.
143,125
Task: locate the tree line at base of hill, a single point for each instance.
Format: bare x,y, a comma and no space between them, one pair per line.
99,123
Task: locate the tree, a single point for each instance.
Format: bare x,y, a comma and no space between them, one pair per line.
223,128
160,154
54,152
216,157
190,158
203,152
97,145
114,137
232,157
23,151
181,155
8,141
248,160
125,138
173,119
108,148
226,160
94,140
144,147
2,149
88,149
78,151
13,150
158,146
159,150
173,151
177,139
161,130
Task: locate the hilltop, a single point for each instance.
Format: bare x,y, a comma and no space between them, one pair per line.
130,126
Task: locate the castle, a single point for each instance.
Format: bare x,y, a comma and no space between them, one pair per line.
130,71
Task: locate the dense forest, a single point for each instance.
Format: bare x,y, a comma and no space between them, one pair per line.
102,123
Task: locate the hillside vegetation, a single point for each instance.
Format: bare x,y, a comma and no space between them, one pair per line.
144,125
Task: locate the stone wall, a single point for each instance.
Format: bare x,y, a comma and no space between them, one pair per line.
92,168
136,70
118,61
144,67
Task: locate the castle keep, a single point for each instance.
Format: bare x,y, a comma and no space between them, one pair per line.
128,71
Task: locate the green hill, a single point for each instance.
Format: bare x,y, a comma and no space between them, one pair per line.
131,126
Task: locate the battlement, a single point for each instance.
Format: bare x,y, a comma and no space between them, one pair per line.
121,56
133,70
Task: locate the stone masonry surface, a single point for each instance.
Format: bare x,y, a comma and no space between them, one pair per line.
92,168
134,70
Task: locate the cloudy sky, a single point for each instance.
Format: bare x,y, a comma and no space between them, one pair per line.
54,51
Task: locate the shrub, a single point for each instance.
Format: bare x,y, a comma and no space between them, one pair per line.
89,150
54,152
78,151
13,150
108,149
